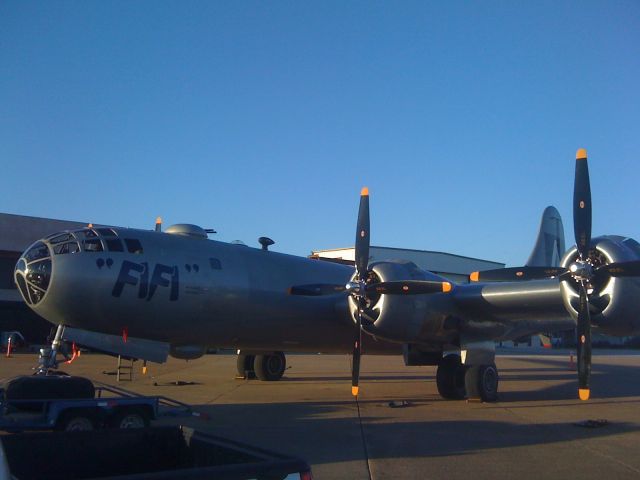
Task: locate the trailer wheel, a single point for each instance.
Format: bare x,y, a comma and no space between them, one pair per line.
130,418
76,422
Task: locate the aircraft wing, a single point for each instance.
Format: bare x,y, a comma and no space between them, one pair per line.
504,310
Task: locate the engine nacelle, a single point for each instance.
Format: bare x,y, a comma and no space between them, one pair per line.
400,318
614,301
187,352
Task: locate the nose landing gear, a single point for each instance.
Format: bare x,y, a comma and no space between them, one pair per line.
47,360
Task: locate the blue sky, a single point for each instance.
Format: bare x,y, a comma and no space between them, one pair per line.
266,118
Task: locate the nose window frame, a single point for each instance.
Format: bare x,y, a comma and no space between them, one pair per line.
32,272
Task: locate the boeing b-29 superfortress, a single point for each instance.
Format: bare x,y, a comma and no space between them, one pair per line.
180,290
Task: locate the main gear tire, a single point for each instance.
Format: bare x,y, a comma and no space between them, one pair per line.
481,382
270,367
450,378
245,366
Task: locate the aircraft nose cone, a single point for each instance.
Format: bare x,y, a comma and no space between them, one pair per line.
33,273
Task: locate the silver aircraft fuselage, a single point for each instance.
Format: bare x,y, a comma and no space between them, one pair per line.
188,290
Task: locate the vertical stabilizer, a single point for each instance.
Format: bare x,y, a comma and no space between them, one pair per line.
549,246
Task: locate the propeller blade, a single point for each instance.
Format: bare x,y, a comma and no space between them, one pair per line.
410,287
317,289
355,368
362,266
362,236
583,330
514,274
158,224
621,269
582,205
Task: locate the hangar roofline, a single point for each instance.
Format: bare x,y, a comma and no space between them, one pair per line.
412,250
34,217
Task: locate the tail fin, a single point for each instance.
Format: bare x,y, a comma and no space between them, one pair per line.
549,246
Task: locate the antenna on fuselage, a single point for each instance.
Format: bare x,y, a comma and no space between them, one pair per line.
265,242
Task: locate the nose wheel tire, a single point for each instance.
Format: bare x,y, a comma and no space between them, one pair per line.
270,367
481,382
450,378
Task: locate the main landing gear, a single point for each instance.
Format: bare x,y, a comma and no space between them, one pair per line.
264,366
456,381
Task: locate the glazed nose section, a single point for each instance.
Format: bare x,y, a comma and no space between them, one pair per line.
33,273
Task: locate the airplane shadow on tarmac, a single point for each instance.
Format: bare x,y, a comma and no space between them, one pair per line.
332,431
363,378
314,432
607,381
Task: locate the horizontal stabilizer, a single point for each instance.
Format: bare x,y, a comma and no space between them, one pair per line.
133,348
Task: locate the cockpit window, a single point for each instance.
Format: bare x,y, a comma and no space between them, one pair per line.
133,245
92,245
106,232
35,293
114,245
69,247
65,237
33,273
39,274
22,284
39,250
91,239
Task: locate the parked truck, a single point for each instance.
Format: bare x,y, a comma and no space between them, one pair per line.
39,402
154,453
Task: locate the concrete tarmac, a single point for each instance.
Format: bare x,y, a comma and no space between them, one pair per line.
531,432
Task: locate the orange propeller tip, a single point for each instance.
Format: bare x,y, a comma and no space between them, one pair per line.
446,287
581,154
474,277
159,220
584,393
364,192
354,391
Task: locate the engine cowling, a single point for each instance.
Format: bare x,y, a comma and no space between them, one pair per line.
401,318
613,301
